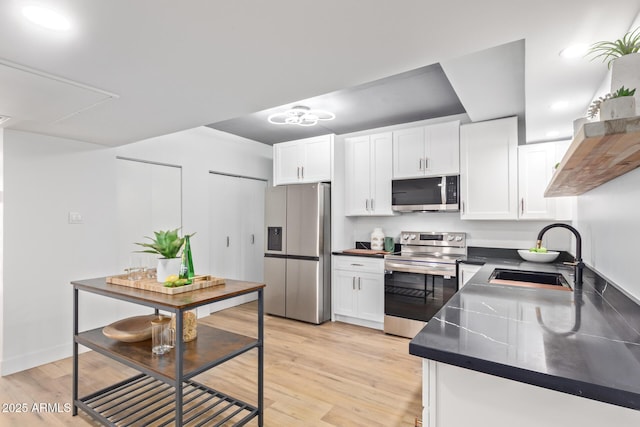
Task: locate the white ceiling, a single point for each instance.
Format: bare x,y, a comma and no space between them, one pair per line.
131,70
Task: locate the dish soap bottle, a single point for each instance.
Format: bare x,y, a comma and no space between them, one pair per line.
377,239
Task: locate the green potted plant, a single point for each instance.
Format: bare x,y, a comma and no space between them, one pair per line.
622,56
167,244
616,105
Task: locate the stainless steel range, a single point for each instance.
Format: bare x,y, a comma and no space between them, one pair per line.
420,279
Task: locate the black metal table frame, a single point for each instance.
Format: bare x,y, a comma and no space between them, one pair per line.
179,375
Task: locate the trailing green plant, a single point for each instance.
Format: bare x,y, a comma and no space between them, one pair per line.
608,51
166,243
594,108
623,91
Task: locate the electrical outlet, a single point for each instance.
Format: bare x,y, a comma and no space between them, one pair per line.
75,218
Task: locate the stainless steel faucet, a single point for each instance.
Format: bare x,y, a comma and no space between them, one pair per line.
578,264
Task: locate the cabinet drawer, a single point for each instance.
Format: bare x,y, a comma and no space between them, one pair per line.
358,263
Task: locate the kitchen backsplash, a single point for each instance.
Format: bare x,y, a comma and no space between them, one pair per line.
497,234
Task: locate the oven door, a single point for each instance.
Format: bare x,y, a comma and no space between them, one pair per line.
416,296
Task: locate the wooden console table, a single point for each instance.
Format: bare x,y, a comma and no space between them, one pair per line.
164,392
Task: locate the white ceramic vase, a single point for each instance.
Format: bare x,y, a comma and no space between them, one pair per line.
167,267
377,239
618,108
625,71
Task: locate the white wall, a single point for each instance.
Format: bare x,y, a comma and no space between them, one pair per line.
46,178
199,151
609,224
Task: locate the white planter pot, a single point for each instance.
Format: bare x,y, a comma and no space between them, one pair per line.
618,108
625,71
167,267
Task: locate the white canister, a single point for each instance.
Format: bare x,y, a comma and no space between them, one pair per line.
377,239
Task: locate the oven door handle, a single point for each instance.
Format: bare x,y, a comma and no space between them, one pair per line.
434,270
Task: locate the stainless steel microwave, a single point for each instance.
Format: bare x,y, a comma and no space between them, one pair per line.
426,194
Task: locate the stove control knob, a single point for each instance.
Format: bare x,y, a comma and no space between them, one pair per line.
413,237
405,237
450,237
459,239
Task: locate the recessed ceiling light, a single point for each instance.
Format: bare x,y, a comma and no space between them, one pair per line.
553,134
46,18
574,51
559,105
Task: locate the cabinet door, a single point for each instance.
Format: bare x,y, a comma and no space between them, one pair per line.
488,169
408,153
344,288
535,166
370,296
381,174
286,163
442,149
358,172
466,272
316,159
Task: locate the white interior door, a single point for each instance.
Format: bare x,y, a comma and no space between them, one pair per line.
224,226
236,227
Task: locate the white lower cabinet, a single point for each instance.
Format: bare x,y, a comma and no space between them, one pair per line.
358,291
466,272
448,400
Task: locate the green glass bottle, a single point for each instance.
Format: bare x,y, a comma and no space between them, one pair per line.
186,265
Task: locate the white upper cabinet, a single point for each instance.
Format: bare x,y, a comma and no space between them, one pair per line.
304,160
427,151
535,168
368,175
489,169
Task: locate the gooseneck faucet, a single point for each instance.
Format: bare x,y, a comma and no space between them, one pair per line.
578,264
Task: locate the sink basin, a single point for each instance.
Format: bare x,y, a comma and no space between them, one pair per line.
534,279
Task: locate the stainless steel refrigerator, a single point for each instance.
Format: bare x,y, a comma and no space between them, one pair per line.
297,268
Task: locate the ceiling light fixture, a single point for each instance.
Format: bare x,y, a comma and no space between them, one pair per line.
46,18
301,116
574,51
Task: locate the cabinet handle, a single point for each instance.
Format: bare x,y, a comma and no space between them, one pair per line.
298,172
358,265
522,206
353,282
463,206
367,204
253,239
372,206
227,241
426,163
302,171
420,164
359,286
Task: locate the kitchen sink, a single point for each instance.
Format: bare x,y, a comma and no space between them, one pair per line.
529,279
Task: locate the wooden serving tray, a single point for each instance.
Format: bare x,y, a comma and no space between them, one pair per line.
199,282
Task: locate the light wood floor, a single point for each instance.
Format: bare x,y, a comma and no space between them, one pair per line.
334,374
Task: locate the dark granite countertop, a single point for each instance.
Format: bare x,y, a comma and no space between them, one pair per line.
585,342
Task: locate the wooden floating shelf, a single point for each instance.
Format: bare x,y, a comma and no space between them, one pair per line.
600,152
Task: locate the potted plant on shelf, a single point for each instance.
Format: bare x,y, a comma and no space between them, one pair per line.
615,105
167,244
623,58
